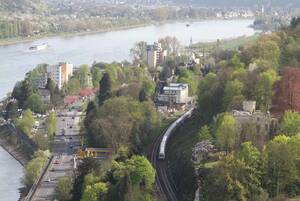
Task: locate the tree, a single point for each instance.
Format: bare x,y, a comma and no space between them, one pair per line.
204,133
160,13
250,155
233,91
63,188
116,130
282,167
87,166
90,114
105,88
264,89
11,110
27,122
21,92
34,168
147,91
188,77
140,171
41,140
96,76
138,51
51,124
94,192
287,91
290,123
209,97
166,73
295,22
227,132
236,62
171,44
232,179
72,87
50,86
83,76
35,103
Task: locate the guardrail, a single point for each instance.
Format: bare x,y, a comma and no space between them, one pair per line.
34,187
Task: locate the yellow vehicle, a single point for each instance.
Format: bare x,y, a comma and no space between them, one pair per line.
99,153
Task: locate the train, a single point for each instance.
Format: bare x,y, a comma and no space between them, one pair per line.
170,130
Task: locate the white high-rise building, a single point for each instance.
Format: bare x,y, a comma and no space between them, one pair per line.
155,55
60,73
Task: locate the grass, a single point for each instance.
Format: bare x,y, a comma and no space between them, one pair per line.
180,166
184,138
227,44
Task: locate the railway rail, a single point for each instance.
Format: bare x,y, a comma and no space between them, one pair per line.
163,185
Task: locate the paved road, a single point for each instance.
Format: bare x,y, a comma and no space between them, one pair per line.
65,143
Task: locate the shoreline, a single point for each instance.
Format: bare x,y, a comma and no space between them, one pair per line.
13,41
13,152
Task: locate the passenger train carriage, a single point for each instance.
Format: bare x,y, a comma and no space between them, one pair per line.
170,130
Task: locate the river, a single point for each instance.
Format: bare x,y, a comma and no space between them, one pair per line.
11,172
16,60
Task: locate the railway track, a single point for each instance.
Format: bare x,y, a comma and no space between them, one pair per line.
163,185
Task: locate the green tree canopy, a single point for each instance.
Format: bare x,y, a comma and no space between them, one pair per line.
35,103
105,88
282,165
63,188
290,123
51,122
204,133
233,95
140,171
227,132
96,76
27,122
264,89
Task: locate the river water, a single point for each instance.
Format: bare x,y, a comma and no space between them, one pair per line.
16,60
11,172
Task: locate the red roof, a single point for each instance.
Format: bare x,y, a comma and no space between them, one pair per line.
70,99
87,92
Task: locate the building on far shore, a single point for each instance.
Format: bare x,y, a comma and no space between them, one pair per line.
155,55
60,73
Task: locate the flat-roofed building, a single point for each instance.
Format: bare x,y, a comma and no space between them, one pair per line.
60,73
175,93
155,55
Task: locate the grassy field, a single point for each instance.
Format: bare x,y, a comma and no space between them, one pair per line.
228,44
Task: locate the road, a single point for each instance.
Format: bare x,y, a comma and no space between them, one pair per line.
66,141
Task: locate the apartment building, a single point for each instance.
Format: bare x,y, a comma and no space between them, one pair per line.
155,55
60,73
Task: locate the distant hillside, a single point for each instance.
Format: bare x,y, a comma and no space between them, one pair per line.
241,3
22,5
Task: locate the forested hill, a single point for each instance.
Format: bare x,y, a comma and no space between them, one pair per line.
22,5
241,3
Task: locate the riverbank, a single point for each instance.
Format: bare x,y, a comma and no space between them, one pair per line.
12,41
14,152
11,144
